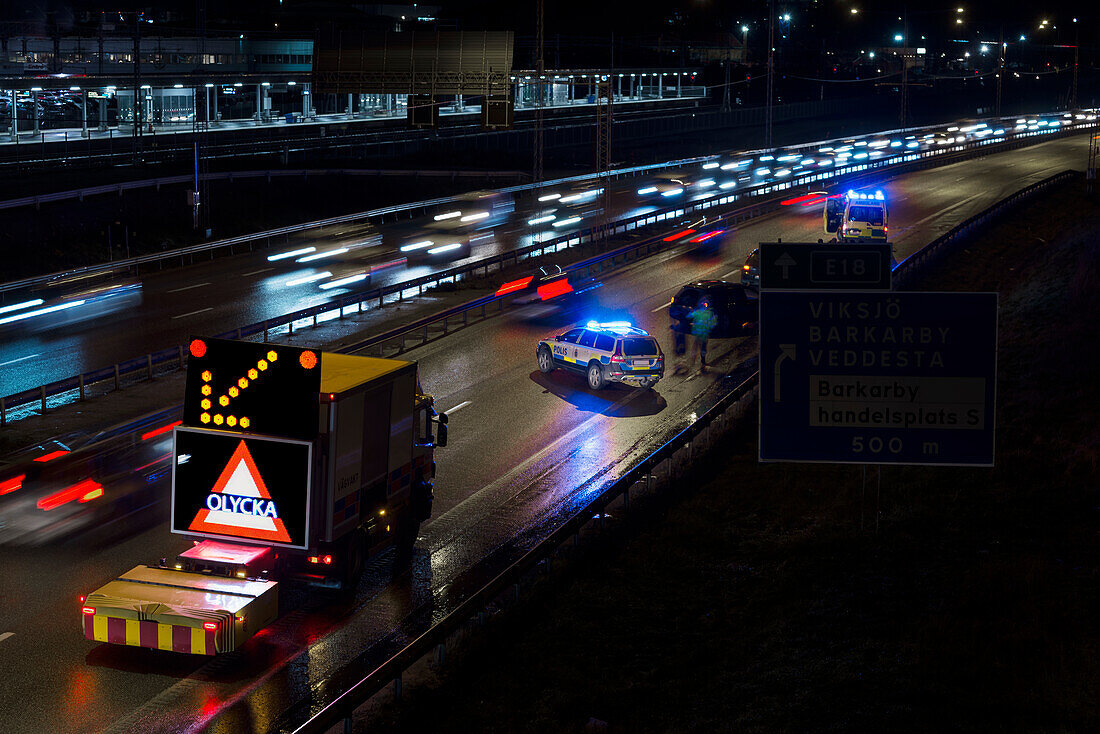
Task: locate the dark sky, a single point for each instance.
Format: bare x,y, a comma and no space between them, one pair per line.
631,17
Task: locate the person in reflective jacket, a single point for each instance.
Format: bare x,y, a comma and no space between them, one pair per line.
703,321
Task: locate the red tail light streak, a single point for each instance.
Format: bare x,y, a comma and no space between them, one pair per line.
158,431
85,491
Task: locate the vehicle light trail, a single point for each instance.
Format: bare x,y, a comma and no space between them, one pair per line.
308,279
319,255
291,253
24,304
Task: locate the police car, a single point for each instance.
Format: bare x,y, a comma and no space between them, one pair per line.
612,351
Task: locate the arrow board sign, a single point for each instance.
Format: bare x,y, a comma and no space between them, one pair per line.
241,487
878,378
825,266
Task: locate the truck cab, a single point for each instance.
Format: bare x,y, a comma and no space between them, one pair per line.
856,217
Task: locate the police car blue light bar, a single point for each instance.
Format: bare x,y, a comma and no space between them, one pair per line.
857,196
609,325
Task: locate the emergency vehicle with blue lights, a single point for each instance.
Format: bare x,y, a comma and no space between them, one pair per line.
611,351
288,464
857,216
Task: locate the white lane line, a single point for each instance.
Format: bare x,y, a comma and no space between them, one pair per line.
457,408
201,310
662,306
731,273
13,361
187,288
945,210
5,636
256,272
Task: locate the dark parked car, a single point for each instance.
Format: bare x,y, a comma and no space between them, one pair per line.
737,309
750,271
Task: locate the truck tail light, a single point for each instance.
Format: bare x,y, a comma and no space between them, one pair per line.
210,626
88,610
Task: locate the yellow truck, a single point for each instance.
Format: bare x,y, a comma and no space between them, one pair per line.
289,464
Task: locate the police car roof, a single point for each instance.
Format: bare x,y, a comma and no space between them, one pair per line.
619,328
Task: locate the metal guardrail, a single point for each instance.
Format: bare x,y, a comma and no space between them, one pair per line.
39,199
267,235
176,355
730,409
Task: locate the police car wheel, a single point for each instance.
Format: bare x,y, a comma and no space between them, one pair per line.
546,360
595,376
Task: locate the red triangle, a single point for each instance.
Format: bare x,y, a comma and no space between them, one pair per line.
201,522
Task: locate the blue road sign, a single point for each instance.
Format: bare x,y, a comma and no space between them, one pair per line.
878,378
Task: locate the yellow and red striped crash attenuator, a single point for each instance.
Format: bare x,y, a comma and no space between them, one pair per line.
144,633
166,609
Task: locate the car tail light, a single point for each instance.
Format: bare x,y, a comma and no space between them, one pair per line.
87,488
617,357
313,559
745,268
327,560
10,485
554,289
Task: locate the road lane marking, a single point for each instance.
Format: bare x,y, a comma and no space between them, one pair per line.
5,636
490,490
943,211
201,310
738,270
457,408
662,306
13,361
256,272
187,288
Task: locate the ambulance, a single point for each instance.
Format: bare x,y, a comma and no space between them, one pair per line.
856,216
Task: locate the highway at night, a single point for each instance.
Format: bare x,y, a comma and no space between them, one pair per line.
525,449
218,295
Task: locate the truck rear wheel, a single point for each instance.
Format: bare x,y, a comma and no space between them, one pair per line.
355,555
405,543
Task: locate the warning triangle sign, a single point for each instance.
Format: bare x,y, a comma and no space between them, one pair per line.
241,479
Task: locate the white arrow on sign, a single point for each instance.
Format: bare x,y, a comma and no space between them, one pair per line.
788,353
785,261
